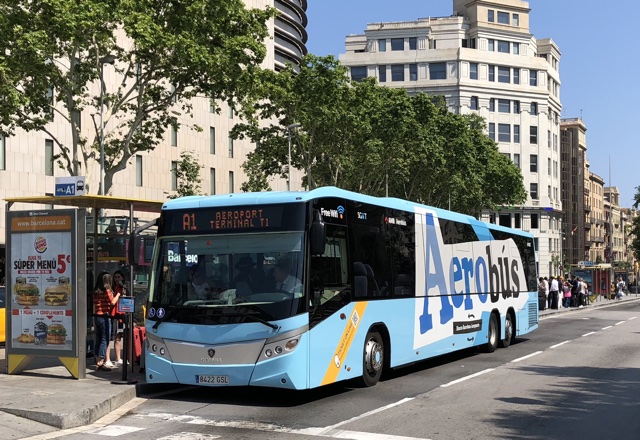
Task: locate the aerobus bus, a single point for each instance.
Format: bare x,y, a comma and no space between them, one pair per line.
303,289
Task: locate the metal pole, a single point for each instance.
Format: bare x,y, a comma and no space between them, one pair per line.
289,162
101,129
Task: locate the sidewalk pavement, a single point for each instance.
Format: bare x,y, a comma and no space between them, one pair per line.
46,393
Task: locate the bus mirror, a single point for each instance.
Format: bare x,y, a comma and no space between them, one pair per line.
318,235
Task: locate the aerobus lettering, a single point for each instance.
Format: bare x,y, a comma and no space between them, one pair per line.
495,274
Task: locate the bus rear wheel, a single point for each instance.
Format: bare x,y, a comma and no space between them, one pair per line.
508,332
373,360
492,334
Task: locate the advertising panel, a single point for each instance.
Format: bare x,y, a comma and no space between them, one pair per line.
41,292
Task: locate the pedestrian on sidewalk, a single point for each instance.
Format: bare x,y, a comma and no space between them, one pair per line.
566,294
620,288
553,293
542,299
103,302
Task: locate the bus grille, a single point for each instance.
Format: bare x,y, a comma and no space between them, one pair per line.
533,314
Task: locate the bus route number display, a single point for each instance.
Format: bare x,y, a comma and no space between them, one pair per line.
218,220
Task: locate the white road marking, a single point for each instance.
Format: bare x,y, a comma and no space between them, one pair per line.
189,436
558,345
353,435
632,318
471,376
621,322
589,334
114,430
604,328
367,414
526,357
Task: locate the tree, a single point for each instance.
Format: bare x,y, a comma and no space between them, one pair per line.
166,53
187,174
635,227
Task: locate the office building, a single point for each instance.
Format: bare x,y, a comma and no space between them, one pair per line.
483,59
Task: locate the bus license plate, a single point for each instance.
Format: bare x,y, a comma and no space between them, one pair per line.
218,380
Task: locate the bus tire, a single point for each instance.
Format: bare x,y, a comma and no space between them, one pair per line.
508,331
493,334
373,359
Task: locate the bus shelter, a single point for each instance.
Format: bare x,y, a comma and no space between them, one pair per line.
53,257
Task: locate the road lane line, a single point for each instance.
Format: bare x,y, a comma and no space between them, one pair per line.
361,416
589,334
618,323
526,357
558,345
355,435
604,328
632,318
471,376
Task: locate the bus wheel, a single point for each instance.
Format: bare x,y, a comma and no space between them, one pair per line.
373,361
492,334
508,332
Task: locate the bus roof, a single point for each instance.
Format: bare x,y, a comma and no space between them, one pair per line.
273,197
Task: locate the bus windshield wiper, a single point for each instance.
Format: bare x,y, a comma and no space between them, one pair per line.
252,315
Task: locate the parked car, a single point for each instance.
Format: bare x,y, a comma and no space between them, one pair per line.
3,305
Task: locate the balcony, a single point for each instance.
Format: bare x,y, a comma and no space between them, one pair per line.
587,225
597,239
587,207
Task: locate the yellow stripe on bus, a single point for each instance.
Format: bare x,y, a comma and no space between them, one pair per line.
344,344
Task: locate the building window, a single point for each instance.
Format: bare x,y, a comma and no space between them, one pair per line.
413,43
3,153
437,70
504,106
473,70
503,46
382,45
230,147
492,73
174,175
549,166
516,107
504,133
503,17
515,19
533,191
382,73
505,220
358,73
534,109
517,222
504,74
516,134
413,72
533,135
397,44
492,105
516,76
492,131
212,140
533,78
516,159
516,48
231,184
534,217
533,163
397,72
212,179
491,45
138,170
48,157
174,132
491,17
549,138
474,103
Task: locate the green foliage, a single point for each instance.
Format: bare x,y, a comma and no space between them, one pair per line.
635,227
376,140
188,176
168,53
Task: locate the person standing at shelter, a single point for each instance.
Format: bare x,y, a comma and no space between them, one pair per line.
103,301
117,323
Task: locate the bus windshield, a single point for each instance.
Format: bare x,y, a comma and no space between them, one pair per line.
228,278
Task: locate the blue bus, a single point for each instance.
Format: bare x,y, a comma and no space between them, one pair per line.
303,289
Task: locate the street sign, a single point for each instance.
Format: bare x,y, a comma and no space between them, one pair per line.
70,186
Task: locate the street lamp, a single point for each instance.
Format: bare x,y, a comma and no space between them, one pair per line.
289,128
107,59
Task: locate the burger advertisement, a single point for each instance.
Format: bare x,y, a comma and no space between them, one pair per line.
41,259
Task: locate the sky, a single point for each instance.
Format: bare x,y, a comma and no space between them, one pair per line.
599,67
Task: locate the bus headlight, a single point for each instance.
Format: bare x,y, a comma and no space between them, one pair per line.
277,348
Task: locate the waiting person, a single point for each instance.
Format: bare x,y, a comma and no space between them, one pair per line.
554,289
103,301
620,286
285,282
118,320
